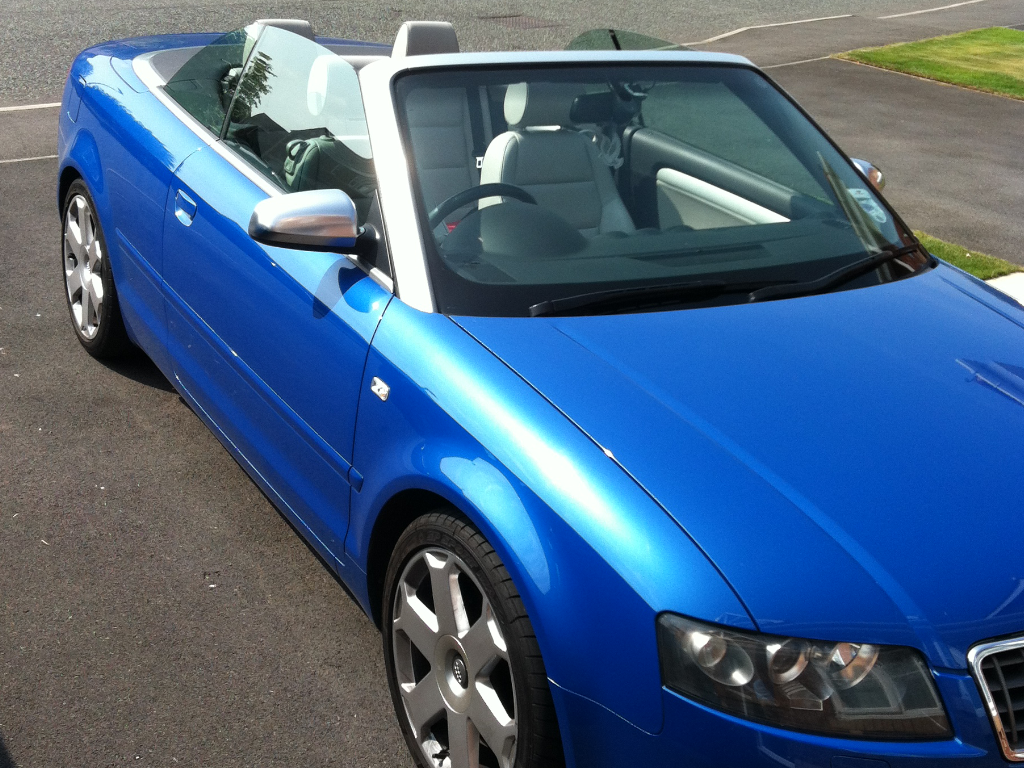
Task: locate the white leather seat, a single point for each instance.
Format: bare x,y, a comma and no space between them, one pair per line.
442,139
421,38
334,101
439,122
561,168
341,159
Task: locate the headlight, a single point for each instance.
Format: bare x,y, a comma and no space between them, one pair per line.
842,689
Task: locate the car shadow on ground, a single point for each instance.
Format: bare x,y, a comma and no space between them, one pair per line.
5,757
137,367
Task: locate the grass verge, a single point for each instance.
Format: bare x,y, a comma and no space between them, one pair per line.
980,265
990,60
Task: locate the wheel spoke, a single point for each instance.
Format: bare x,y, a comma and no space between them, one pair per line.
73,234
423,703
95,257
87,309
95,286
444,583
82,220
483,643
416,621
463,741
86,225
74,281
492,722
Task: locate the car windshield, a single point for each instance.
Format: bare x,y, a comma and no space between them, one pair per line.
541,185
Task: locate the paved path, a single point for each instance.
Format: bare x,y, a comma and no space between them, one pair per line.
952,157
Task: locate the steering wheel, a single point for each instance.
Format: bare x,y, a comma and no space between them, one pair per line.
467,196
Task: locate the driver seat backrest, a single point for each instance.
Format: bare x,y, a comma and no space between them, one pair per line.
442,143
439,122
561,168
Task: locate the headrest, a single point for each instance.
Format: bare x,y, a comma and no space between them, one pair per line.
420,38
539,104
333,88
298,26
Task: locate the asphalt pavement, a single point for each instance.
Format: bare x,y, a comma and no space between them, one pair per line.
39,38
156,609
154,606
951,156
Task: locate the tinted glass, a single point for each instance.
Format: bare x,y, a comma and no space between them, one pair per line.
635,176
297,117
205,83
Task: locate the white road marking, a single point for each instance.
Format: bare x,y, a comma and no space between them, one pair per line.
791,63
826,18
28,159
777,24
930,10
25,107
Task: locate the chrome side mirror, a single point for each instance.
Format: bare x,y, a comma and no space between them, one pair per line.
871,173
317,220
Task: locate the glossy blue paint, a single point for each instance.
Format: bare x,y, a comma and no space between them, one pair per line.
126,145
458,422
284,396
825,447
704,738
836,467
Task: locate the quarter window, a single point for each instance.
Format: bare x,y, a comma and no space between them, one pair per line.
297,117
205,83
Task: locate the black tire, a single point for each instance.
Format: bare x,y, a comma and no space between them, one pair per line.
519,682
88,279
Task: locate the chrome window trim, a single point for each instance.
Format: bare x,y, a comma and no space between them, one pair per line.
375,274
975,656
394,182
152,80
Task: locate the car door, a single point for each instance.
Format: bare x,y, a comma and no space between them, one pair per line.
270,343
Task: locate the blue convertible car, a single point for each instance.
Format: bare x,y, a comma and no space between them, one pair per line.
637,420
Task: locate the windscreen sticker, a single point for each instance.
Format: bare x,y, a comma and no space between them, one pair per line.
868,203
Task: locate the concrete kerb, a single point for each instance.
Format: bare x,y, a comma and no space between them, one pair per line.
1011,285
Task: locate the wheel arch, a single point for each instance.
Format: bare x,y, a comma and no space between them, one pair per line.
481,492
397,514
68,176
575,533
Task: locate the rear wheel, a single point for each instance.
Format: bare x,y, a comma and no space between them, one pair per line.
89,283
464,668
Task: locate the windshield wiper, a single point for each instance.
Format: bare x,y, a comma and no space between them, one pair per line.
834,279
619,300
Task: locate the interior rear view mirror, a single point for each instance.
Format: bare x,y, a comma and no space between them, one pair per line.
871,173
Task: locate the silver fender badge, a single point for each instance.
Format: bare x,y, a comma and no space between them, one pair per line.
380,389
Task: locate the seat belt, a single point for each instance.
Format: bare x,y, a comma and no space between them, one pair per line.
476,122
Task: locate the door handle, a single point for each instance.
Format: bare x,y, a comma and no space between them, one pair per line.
184,208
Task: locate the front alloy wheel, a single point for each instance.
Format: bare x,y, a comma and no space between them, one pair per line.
466,677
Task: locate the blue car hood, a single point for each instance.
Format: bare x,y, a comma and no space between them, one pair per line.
852,463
